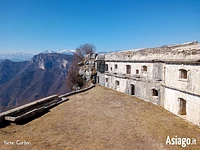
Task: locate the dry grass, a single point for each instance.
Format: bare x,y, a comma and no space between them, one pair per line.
101,119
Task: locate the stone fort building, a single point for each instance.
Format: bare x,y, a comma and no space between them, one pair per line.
168,76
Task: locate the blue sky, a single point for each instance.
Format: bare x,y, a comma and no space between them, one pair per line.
34,26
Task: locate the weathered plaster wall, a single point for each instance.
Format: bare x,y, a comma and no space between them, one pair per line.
142,88
121,68
101,78
163,65
100,66
112,83
191,84
171,103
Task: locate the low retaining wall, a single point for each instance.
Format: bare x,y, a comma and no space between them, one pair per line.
31,109
28,110
78,91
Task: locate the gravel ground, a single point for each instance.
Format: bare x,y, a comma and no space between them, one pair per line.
100,119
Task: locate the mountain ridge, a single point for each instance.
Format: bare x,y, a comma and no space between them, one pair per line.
26,81
22,56
16,56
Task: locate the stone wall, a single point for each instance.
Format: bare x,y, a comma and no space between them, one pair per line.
101,79
163,75
140,88
191,84
172,104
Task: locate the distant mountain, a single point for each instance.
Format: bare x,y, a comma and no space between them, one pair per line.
20,56
67,52
48,51
23,82
16,56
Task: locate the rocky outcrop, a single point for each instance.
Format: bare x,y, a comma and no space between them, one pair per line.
23,82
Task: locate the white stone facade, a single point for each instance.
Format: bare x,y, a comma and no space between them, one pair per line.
187,89
167,76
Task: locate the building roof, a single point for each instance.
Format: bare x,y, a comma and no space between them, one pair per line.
100,57
181,52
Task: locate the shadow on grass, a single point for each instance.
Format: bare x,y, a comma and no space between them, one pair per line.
4,124
27,120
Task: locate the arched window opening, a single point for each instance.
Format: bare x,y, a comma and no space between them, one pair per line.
183,74
154,92
116,82
144,68
128,69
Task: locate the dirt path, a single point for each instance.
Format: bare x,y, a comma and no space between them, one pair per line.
101,119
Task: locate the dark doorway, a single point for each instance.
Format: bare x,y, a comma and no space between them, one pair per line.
97,79
182,106
132,89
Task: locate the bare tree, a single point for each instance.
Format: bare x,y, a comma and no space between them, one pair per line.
85,49
73,78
